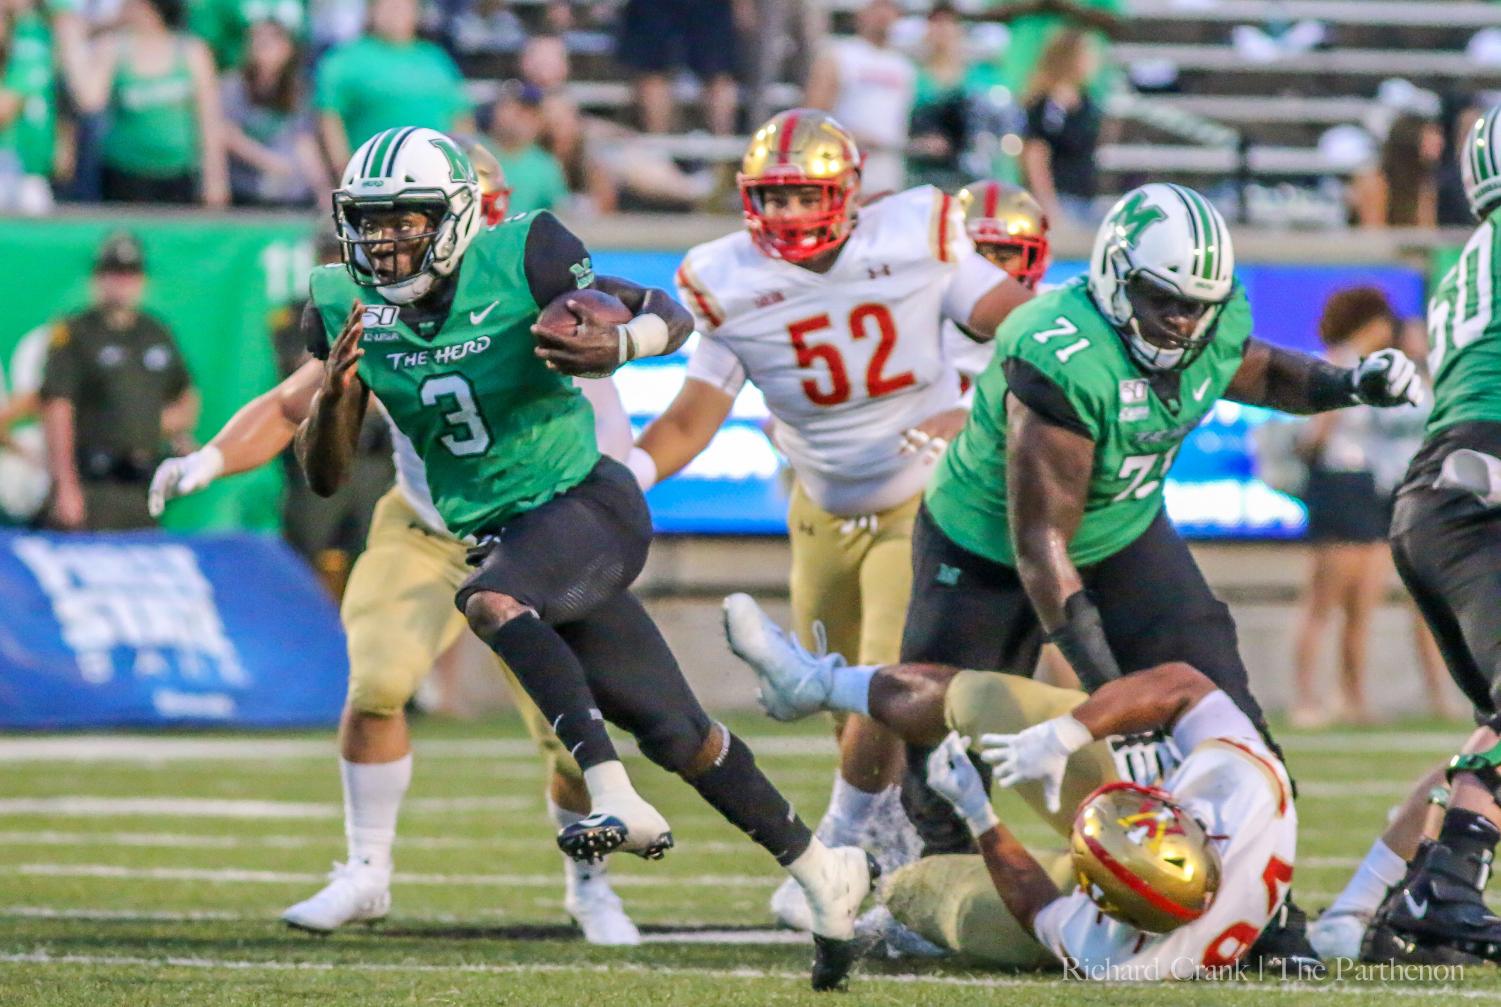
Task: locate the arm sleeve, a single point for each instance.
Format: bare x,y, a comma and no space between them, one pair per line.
556,261
314,336
975,277
715,364
1043,396
60,376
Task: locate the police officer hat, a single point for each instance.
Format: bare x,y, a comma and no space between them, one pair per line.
120,253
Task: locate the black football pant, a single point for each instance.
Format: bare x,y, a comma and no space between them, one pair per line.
972,612
592,652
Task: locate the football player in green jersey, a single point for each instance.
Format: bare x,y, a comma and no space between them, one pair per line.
1045,517
437,318
1446,540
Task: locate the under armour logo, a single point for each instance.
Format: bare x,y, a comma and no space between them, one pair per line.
947,575
881,270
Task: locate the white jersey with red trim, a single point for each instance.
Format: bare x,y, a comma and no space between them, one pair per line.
1240,792
848,359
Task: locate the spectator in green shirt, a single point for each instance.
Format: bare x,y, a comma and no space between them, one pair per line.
1035,23
40,45
224,25
535,176
386,78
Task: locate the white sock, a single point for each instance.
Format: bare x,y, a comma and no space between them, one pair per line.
575,872
372,799
607,778
1380,869
810,867
849,690
849,807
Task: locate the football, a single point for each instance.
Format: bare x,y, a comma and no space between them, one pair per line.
558,320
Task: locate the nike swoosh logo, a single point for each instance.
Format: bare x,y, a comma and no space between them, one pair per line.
475,317
1418,909
1199,391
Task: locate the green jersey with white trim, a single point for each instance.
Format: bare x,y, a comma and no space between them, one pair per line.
1060,356
498,432
1464,335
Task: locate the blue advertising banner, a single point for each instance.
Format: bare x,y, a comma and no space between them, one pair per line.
150,629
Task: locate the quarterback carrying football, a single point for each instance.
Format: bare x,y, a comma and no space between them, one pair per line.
467,342
834,315
1177,874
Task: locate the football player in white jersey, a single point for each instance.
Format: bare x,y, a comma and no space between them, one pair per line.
835,316
1174,881
399,616
1010,229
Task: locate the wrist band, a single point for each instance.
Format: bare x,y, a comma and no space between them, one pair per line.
646,335
643,466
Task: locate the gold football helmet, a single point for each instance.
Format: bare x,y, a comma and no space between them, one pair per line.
1008,227
495,195
802,149
1143,859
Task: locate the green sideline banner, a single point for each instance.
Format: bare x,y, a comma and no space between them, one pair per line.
217,283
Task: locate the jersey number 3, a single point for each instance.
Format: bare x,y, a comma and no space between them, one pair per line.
877,383
467,433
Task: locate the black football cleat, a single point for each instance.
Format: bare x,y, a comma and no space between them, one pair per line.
591,839
1382,945
832,961
1440,905
1283,947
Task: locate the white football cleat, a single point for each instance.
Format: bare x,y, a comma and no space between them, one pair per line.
794,683
600,914
1338,935
355,893
621,820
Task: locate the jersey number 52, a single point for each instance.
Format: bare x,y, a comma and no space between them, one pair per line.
877,383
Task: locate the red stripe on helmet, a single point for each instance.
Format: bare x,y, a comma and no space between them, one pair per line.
1140,887
784,139
992,198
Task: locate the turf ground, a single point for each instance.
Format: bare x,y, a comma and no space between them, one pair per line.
149,870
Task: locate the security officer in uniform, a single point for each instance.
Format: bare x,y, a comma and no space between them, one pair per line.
114,395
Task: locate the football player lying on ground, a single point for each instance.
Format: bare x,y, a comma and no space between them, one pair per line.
471,336
1175,881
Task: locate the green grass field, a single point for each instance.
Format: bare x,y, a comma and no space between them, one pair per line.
149,870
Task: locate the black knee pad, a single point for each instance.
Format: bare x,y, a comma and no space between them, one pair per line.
673,742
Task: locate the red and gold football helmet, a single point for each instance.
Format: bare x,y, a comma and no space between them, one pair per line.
495,195
799,148
1143,859
1008,227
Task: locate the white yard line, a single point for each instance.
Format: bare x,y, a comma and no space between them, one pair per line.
44,957
239,875
211,807
122,748
330,840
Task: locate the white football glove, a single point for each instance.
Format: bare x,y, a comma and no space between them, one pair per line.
177,477
1387,378
953,777
1473,471
1039,753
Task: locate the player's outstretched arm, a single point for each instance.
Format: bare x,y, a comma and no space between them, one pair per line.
681,433
1296,382
259,431
327,438
1021,881
1049,468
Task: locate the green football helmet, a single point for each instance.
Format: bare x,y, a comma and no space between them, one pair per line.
1161,271
1480,164
408,168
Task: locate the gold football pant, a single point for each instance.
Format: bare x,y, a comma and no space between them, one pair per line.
951,900
854,575
399,616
